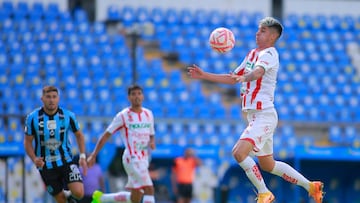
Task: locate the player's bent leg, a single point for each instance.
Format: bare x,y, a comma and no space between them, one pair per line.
60,197
266,163
77,190
149,190
241,150
136,195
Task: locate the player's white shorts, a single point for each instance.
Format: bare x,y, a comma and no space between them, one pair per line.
138,173
260,130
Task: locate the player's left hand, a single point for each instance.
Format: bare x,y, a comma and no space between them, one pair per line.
237,78
152,145
195,72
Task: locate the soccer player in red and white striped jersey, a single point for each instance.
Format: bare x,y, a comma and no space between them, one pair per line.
136,127
258,74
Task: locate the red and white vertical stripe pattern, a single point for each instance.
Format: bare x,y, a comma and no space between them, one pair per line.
259,94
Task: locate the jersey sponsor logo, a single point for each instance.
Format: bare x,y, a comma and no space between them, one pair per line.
140,135
52,144
139,125
249,65
41,124
52,158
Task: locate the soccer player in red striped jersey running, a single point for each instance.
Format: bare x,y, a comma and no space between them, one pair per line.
136,125
258,74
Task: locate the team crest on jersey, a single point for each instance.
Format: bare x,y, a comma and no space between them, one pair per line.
51,125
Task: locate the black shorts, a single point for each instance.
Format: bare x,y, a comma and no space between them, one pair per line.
185,190
56,179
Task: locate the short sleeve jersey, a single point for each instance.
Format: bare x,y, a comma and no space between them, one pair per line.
184,170
135,129
259,94
51,135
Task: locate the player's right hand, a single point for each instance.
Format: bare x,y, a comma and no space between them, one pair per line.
39,162
195,71
91,160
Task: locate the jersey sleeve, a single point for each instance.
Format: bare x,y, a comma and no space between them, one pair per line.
240,69
116,123
152,128
267,59
29,126
74,124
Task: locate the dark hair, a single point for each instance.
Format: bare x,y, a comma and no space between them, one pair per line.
272,23
48,89
134,87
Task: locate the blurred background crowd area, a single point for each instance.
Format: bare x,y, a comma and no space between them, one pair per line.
92,50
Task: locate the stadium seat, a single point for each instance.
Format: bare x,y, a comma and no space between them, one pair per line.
187,110
113,13
128,16
336,135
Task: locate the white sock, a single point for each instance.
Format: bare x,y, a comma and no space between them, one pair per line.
253,173
122,197
67,193
148,199
289,174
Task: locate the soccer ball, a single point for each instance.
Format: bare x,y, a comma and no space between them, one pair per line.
222,40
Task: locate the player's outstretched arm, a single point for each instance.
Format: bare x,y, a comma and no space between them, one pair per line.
196,72
80,139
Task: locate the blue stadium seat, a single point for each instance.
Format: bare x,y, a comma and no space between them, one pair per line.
21,11
204,112
201,17
187,110
142,15
350,135
336,135
64,17
172,111
128,16
113,13
171,16
38,7
234,111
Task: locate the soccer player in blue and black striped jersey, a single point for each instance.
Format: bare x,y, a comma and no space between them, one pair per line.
48,127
